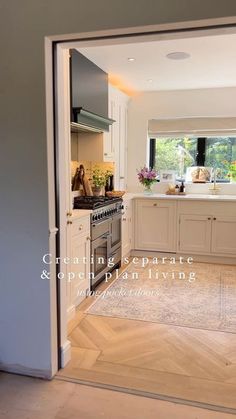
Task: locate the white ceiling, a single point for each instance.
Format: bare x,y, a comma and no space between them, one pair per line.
212,63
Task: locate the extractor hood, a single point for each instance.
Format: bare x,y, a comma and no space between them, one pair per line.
86,121
89,95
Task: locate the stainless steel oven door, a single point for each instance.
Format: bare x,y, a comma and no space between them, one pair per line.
99,258
115,233
100,229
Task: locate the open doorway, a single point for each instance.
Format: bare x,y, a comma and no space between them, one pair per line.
166,347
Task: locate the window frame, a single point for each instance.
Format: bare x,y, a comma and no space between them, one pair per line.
200,156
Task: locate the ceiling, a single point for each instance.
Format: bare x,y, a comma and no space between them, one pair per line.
212,63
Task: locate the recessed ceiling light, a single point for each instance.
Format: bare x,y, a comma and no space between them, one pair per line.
178,55
150,80
130,59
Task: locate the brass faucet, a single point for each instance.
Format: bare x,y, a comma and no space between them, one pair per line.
215,188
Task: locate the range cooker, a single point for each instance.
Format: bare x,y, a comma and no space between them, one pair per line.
105,234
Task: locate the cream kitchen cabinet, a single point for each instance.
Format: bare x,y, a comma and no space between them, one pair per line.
115,141
79,283
108,146
224,235
155,225
207,228
195,233
109,138
127,228
122,146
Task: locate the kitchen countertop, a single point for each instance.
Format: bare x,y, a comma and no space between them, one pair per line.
79,213
187,197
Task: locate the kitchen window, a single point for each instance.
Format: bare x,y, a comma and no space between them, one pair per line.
182,152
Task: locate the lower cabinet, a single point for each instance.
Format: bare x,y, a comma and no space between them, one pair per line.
79,283
127,228
207,228
188,227
224,235
155,225
195,233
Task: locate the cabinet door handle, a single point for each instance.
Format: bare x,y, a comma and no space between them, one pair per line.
105,236
88,238
124,219
155,205
214,218
69,222
81,227
69,214
209,218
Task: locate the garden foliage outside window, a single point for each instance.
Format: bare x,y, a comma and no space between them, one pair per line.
179,153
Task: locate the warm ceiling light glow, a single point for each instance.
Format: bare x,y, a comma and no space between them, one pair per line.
150,80
178,55
120,84
131,59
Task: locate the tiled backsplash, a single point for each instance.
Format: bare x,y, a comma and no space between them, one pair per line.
90,166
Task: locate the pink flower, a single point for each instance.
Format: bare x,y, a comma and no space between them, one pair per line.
147,176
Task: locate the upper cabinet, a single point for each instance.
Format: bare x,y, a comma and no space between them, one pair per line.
109,138
115,141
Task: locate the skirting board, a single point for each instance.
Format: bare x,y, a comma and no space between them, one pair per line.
65,353
197,258
22,370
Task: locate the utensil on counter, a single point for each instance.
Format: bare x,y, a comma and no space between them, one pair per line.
80,179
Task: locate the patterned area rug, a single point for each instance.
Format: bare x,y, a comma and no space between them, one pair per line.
201,296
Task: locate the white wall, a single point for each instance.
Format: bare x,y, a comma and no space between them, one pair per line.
170,104
25,323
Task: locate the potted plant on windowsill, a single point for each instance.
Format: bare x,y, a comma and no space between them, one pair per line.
99,178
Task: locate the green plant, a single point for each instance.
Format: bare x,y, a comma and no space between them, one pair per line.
231,166
232,170
99,177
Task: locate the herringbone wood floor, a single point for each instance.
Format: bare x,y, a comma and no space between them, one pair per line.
179,362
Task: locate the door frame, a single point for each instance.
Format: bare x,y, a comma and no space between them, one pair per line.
58,150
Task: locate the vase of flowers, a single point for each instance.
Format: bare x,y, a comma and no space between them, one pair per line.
147,177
